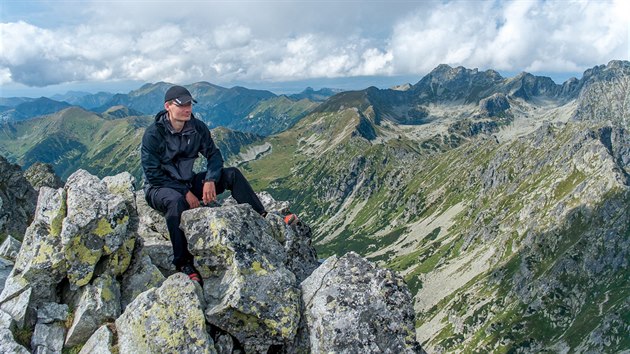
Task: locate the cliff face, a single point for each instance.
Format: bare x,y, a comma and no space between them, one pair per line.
17,200
94,272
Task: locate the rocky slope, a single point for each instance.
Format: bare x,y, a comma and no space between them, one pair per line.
505,209
17,200
93,275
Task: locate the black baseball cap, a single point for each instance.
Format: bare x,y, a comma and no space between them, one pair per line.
179,94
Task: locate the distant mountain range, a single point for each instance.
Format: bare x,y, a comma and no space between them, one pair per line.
258,111
504,202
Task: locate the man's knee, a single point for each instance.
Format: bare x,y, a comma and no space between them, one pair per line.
176,205
232,175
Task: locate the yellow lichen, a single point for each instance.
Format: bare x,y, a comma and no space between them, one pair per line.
103,228
57,221
258,269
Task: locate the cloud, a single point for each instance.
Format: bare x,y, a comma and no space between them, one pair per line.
552,36
225,42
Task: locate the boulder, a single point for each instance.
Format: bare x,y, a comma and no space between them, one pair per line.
100,342
250,292
51,312
6,266
152,230
17,200
41,262
95,226
10,248
99,303
48,338
165,319
352,306
8,343
141,276
42,175
15,300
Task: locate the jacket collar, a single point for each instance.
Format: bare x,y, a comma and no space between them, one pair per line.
162,119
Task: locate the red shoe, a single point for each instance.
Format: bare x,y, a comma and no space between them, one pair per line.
192,273
291,219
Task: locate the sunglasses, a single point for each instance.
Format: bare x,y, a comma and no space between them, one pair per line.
187,104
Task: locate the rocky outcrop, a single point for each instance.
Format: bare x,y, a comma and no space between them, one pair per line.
165,319
42,174
17,200
347,300
86,250
494,105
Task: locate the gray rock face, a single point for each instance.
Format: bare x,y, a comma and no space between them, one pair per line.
494,105
8,343
10,248
42,175
48,338
17,200
142,276
250,292
353,307
154,234
41,263
165,319
99,343
99,303
95,226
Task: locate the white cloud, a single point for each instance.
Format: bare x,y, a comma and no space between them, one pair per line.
513,36
223,42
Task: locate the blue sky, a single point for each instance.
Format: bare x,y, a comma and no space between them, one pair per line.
53,46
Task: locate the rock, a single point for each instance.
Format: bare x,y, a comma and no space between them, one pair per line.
494,105
51,312
250,292
10,248
42,175
100,342
8,343
99,303
95,226
48,338
165,319
40,265
17,200
122,185
152,230
6,266
351,306
140,277
15,300
301,257
6,321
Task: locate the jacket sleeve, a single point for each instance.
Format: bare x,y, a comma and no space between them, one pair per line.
151,164
213,155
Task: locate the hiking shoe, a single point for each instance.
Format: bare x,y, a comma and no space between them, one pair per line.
291,219
192,273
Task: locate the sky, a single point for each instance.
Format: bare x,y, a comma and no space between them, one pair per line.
52,46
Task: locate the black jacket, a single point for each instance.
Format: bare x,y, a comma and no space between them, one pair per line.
168,156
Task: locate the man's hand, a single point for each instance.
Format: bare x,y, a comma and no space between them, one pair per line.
209,192
192,201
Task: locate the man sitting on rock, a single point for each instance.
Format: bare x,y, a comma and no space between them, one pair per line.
170,146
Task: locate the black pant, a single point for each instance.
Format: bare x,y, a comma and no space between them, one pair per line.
172,203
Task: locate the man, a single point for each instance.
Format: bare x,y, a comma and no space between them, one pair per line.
169,148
